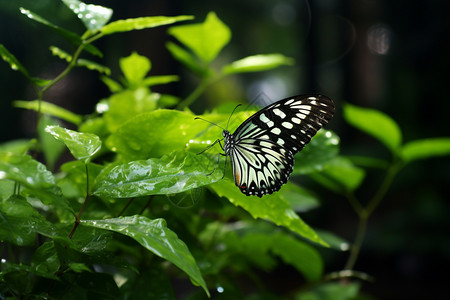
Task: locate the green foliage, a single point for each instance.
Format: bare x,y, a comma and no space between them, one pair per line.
138,199
50,109
156,237
375,124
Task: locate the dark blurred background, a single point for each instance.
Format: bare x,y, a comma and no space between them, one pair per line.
393,56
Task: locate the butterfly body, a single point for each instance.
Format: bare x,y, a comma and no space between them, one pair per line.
262,148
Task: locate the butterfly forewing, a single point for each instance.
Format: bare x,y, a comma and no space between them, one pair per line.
262,148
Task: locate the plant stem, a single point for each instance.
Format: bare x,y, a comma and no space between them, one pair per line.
375,201
65,71
194,95
71,64
125,207
356,247
78,217
205,82
364,213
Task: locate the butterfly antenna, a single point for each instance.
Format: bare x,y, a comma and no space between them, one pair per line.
228,122
198,118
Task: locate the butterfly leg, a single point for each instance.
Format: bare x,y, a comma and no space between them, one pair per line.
217,141
217,163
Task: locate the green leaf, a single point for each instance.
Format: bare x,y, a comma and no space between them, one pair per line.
302,256
12,61
19,222
51,148
90,65
273,207
157,238
135,67
112,85
300,199
323,147
258,63
157,80
35,178
258,242
376,124
332,291
92,16
25,170
340,175
425,148
154,134
141,23
45,261
186,58
93,66
174,173
18,146
72,37
50,109
75,177
206,39
127,104
335,242
82,145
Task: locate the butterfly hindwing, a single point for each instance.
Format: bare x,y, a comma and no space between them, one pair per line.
262,148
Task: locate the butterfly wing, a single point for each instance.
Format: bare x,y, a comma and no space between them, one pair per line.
264,145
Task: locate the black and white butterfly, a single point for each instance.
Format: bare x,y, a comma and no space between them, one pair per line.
262,149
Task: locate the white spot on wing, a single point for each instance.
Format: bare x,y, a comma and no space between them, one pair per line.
301,116
276,131
287,125
279,113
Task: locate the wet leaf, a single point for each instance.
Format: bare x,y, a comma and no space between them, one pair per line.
127,104
92,16
19,222
141,23
154,134
174,173
157,238
25,170
68,35
35,177
51,148
12,61
322,148
82,145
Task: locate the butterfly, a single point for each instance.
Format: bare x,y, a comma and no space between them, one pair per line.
262,148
